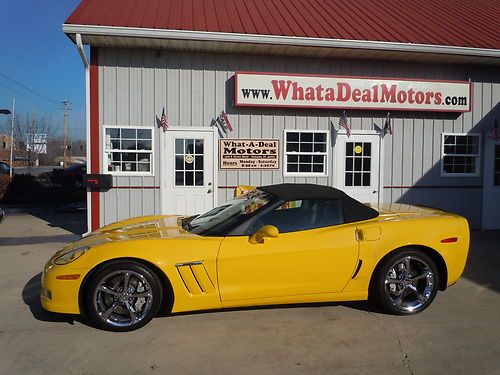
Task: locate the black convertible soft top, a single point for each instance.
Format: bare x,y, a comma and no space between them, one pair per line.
353,210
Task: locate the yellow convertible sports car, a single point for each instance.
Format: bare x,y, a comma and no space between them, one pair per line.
279,244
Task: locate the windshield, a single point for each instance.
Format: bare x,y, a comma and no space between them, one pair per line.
220,219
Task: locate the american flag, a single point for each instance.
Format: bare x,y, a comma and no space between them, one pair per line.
343,123
163,121
387,125
224,122
494,131
220,129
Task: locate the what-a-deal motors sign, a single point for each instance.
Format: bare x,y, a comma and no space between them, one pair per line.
290,90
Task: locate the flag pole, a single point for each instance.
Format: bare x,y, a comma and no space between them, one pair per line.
380,163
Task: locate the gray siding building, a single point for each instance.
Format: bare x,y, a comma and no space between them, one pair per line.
180,115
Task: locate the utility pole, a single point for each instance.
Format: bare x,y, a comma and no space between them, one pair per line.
12,133
65,103
32,153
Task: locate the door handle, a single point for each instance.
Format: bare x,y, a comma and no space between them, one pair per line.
209,191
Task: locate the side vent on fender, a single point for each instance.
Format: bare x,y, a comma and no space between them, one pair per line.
360,263
195,278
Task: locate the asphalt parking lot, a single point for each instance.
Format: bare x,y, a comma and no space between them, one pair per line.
458,334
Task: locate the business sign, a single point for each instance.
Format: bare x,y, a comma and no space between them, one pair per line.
249,154
314,91
36,143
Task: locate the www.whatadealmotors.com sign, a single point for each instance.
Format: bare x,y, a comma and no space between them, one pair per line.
314,91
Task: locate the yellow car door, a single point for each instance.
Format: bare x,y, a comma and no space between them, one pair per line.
296,263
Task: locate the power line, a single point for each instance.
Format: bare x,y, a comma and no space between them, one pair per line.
11,91
26,95
29,89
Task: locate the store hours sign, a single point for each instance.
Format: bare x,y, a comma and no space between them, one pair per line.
314,91
248,154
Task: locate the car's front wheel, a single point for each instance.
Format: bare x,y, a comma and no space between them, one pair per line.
122,296
405,283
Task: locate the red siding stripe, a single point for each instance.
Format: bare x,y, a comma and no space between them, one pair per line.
94,134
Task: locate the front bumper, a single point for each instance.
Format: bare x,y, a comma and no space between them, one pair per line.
60,296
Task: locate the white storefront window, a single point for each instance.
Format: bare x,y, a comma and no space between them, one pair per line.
128,150
306,153
460,155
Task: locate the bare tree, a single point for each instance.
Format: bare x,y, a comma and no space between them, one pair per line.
31,135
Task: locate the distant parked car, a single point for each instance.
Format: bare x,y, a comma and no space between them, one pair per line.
70,176
4,168
76,172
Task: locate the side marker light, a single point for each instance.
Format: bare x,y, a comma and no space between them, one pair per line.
449,240
75,276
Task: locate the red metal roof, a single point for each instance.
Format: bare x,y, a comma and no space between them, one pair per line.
464,23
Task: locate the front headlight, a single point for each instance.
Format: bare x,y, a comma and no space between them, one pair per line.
71,255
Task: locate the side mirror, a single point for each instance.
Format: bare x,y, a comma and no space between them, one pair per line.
269,231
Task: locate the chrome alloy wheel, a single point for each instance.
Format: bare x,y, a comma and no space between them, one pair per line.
409,284
123,298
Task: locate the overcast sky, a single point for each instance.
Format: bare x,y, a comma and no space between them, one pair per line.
37,54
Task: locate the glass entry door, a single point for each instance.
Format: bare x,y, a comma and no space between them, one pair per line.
358,166
189,172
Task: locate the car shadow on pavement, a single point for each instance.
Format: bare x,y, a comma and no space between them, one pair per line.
31,297
356,305
484,259
33,240
74,221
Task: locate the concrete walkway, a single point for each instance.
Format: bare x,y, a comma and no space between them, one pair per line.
458,334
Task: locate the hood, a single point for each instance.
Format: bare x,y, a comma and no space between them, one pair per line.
145,227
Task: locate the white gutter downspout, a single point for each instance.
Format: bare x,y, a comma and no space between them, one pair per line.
81,51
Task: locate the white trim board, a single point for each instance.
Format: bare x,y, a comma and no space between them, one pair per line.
208,36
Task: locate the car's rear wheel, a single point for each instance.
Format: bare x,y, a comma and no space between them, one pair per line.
122,296
405,283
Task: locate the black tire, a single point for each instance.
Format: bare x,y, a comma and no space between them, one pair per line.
108,306
411,291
